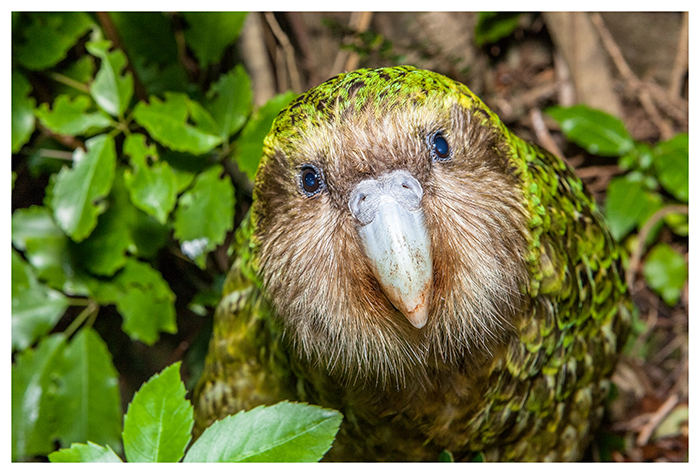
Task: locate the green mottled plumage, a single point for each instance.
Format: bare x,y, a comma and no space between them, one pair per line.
520,374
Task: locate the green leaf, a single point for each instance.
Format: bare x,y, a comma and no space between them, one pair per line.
158,424
628,204
599,133
105,250
204,214
88,394
47,248
36,308
43,39
33,405
153,189
285,432
666,272
671,164
142,297
493,26
250,144
70,117
210,33
166,121
230,101
149,41
89,452
76,194
111,90
22,111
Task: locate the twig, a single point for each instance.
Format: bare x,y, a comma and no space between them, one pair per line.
256,58
58,77
288,50
680,64
300,34
642,236
650,326
542,133
347,60
629,76
595,171
657,417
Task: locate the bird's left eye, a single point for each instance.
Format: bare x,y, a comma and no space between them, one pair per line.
439,148
310,180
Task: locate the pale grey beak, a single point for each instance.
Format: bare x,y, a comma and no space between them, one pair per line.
396,241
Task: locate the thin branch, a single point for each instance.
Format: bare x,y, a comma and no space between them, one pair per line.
348,60
90,310
542,133
288,51
636,256
256,58
70,82
656,419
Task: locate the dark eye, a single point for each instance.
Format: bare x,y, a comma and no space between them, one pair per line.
310,180
440,148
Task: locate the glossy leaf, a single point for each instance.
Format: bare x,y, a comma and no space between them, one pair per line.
46,37
166,121
71,117
204,214
158,424
493,26
105,250
672,165
665,271
47,248
111,89
250,144
22,111
88,394
286,432
77,193
599,133
230,101
36,308
33,385
153,188
628,204
89,452
143,298
210,33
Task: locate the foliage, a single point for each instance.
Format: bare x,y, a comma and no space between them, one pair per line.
655,177
158,428
494,26
119,167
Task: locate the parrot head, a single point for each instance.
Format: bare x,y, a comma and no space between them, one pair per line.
390,233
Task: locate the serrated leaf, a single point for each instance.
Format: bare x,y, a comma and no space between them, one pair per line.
672,165
285,432
158,424
78,190
153,189
22,111
46,37
230,101
166,121
210,33
105,250
47,248
628,204
70,117
665,271
250,144
33,405
88,392
204,214
89,452
598,132
111,89
143,298
36,308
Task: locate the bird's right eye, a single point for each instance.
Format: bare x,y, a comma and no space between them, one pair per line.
310,180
